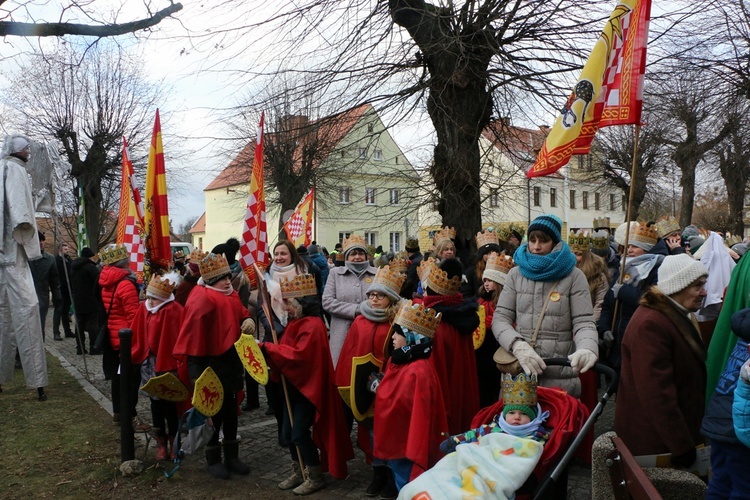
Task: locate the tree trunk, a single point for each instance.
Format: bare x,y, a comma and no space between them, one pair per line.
687,183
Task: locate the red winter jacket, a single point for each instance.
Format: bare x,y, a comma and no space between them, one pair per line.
114,280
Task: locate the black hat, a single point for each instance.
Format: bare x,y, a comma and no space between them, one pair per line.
302,249
87,252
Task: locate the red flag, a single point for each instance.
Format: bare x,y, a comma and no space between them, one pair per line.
608,92
254,246
299,226
130,217
156,217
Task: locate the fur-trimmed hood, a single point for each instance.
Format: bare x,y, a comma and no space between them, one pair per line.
688,328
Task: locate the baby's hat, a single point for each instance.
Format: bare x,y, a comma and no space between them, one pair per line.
519,393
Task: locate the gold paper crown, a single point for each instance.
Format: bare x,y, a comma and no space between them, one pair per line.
399,264
602,223
499,262
644,234
600,240
438,281
732,240
667,225
179,254
389,278
213,266
418,318
161,287
504,231
579,242
425,266
354,241
114,253
303,285
447,233
487,237
197,256
521,391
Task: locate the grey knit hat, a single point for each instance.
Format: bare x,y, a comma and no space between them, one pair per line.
677,272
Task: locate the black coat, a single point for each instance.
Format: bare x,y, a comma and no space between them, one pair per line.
85,283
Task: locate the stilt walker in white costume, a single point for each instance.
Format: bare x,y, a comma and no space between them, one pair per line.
20,326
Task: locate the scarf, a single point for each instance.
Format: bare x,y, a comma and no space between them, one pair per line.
357,268
278,272
223,292
547,268
447,300
638,268
409,353
524,430
374,315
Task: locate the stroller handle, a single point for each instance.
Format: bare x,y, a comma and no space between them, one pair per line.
609,373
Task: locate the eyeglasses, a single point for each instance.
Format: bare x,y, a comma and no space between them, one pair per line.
376,295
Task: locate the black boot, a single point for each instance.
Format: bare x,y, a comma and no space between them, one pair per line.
213,459
379,479
390,491
41,395
231,458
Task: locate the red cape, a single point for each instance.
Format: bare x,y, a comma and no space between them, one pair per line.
304,358
210,324
566,417
409,415
456,366
156,333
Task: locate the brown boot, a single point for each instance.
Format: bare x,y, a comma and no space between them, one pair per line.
294,480
313,483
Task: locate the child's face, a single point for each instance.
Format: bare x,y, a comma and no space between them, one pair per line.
378,300
153,301
399,340
517,417
489,285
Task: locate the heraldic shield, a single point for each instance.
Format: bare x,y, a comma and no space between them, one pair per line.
252,358
362,400
167,387
208,395
481,331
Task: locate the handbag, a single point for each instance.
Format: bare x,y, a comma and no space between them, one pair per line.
506,361
102,336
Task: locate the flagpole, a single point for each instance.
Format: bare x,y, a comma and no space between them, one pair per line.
315,212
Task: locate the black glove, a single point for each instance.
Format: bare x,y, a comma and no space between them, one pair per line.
448,446
685,460
373,381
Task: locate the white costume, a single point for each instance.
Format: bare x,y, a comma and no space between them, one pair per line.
20,325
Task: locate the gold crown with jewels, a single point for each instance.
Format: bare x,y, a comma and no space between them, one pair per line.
114,253
389,278
425,266
732,240
600,240
213,266
519,391
499,262
447,233
354,241
579,242
160,286
418,318
197,256
303,285
601,223
487,237
644,234
667,225
399,264
437,280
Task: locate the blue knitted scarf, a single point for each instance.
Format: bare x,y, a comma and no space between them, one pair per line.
551,267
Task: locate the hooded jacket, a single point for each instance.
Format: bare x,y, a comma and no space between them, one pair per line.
118,289
84,283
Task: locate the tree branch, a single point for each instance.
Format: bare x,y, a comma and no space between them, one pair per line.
105,30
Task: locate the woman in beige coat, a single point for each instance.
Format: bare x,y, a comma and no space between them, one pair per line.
545,268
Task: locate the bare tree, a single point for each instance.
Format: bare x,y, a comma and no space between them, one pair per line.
733,158
99,26
712,211
88,108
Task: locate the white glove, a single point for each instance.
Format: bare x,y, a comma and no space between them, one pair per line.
248,327
609,339
745,372
582,360
529,360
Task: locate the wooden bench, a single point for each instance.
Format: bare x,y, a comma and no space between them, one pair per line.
628,479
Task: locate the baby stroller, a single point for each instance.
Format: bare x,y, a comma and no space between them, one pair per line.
569,421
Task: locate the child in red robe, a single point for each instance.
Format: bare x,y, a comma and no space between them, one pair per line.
409,410
155,328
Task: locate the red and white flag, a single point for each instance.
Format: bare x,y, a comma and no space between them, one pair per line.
299,226
254,245
130,217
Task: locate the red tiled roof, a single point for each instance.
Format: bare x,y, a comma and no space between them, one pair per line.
521,145
333,128
200,225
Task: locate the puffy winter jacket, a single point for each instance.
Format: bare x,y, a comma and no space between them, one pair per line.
741,412
121,284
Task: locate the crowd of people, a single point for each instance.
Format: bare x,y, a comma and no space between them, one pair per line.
407,344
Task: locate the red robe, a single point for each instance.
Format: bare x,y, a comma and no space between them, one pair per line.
304,358
456,367
156,334
364,337
409,415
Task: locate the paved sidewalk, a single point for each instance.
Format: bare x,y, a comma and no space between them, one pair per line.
259,445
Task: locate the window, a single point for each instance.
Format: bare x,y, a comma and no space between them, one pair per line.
612,201
396,160
597,201
590,162
343,235
585,200
362,153
395,196
494,198
395,242
369,196
344,195
537,196
370,127
200,244
552,197
370,238
580,162
624,203
572,198
377,155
